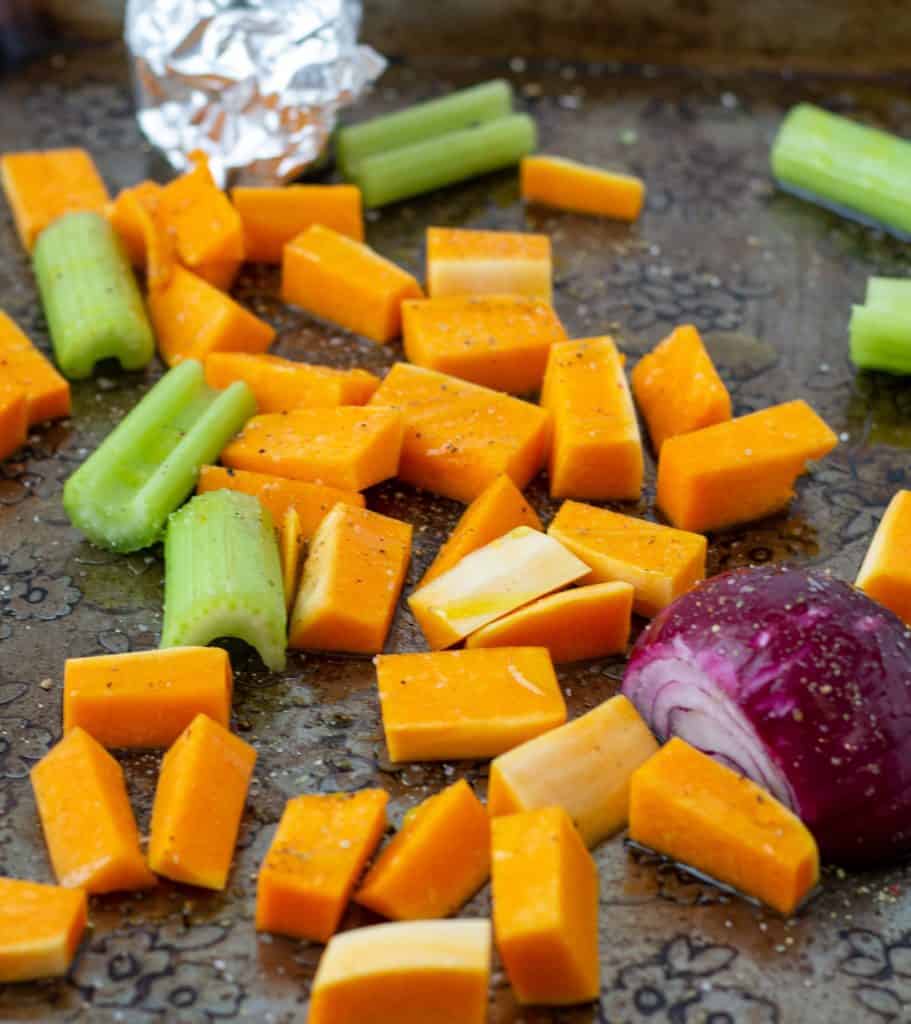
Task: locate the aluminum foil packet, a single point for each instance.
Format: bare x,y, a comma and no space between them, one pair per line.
255,84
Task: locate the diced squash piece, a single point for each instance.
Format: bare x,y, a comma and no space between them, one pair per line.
199,801
414,972
597,448
544,889
43,185
146,698
47,392
498,341
456,704
487,584
281,384
460,437
568,185
584,766
344,281
291,544
886,571
575,624
130,228
678,388
689,807
85,812
13,418
660,562
272,217
41,927
437,862
461,262
499,508
740,470
315,860
351,582
351,447
312,502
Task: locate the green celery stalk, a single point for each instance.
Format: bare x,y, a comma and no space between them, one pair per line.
889,293
123,493
91,300
423,121
223,576
424,166
881,339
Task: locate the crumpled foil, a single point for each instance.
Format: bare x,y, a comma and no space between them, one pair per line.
255,84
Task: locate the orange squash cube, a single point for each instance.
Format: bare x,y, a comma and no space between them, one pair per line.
130,228
569,185
461,262
290,547
41,927
13,418
47,392
886,571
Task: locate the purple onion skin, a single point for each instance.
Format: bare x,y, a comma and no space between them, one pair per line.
822,674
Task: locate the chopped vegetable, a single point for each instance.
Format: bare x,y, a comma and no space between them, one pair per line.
350,447
888,293
146,698
886,571
199,801
92,303
85,812
881,339
702,814
121,496
44,185
456,704
460,437
338,279
461,262
41,927
569,185
414,972
740,470
499,341
678,388
13,418
223,576
290,544
22,365
584,766
597,448
544,890
132,229
351,582
435,863
660,562
492,581
315,861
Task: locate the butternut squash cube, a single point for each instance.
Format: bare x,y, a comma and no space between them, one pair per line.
41,927
569,185
661,563
435,863
886,571
131,229
416,972
290,546
315,860
545,908
351,582
462,262
23,367
85,812
13,418
458,704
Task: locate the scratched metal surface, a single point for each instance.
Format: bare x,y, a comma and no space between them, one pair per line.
769,281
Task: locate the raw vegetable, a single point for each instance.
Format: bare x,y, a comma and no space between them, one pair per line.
404,973
121,496
569,185
461,262
880,339
457,704
661,563
41,927
22,365
505,574
702,814
460,437
85,813
597,448
499,341
740,470
351,582
544,889
315,860
13,418
886,571
800,682
92,303
146,698
435,863
199,801
584,766
290,546
888,293
223,576
132,229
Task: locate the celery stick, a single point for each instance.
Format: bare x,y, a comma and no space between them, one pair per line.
92,303
881,339
462,109
860,171
121,496
411,170
889,293
223,576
